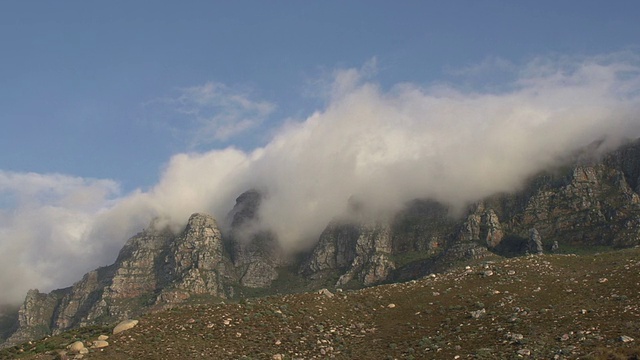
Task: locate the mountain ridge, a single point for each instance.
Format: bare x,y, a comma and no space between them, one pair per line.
592,202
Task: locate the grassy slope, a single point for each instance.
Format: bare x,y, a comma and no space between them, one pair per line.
559,304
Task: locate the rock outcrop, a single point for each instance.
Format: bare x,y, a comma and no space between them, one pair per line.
155,268
255,252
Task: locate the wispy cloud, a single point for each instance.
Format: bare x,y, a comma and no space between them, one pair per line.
211,113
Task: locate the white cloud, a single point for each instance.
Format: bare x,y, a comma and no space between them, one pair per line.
381,147
211,113
44,227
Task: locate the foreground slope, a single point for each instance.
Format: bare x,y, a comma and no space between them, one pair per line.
542,306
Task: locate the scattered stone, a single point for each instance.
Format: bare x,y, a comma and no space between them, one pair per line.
487,273
124,325
478,313
76,347
277,357
391,306
626,339
99,344
515,338
524,352
326,293
603,280
103,337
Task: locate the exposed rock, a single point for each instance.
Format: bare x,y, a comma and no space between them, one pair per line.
326,293
626,339
124,325
76,347
491,230
255,252
34,316
535,241
97,344
478,313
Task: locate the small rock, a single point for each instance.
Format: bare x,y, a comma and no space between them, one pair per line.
103,337
326,293
124,325
478,313
626,339
391,306
277,357
515,337
524,352
76,347
603,280
487,273
100,344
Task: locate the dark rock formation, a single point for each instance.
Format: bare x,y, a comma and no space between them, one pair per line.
535,242
256,253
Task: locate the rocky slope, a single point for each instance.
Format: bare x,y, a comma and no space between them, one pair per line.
592,203
533,307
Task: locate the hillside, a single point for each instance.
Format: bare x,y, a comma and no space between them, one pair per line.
560,306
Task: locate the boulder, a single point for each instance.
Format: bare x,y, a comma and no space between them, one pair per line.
99,344
124,325
76,347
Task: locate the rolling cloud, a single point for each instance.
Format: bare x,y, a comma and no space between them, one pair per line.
380,146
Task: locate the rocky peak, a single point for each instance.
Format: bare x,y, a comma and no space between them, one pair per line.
245,209
195,261
255,252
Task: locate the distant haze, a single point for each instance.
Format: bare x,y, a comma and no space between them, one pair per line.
382,146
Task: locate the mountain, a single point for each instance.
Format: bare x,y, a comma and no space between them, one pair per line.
589,203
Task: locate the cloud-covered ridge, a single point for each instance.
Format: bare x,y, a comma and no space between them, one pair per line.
380,146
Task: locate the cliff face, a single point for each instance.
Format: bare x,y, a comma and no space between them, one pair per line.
155,268
256,252
594,202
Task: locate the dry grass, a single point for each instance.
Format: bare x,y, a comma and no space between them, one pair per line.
538,307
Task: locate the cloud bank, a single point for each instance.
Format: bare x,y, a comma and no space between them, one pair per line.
381,146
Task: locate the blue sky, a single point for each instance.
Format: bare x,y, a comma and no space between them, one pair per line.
76,75
118,112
